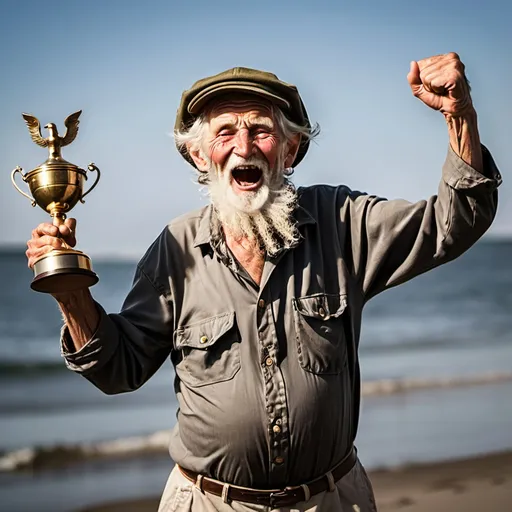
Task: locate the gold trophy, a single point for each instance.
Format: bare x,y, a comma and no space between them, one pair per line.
56,186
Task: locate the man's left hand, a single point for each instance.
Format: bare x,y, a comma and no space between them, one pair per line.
441,84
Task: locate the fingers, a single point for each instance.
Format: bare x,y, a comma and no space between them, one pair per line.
46,241
446,79
35,253
41,245
438,60
45,229
442,67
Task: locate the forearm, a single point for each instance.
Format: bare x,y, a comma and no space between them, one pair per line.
464,138
80,314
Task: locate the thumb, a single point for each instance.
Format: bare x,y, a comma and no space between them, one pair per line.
67,231
413,77
71,224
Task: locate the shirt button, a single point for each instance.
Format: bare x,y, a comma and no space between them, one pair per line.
279,460
276,429
321,312
203,339
269,361
261,303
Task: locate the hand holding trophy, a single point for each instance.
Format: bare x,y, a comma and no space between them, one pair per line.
56,186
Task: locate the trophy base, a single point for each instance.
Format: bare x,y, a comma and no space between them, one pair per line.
63,270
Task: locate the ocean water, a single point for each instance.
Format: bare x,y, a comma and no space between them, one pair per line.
436,358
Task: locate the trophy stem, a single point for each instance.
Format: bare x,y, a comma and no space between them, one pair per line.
57,213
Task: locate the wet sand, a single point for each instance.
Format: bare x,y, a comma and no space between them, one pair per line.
471,485
478,484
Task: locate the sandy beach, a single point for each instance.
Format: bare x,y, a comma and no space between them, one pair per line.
470,485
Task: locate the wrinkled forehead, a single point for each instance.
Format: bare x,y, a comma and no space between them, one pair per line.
236,106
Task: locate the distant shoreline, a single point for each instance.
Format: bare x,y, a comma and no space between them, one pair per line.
16,250
133,256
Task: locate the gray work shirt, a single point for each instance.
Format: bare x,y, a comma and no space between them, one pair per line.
267,378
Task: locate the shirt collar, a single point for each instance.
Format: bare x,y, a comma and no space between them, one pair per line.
204,233
208,229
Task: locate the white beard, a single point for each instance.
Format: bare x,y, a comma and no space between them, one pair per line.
265,215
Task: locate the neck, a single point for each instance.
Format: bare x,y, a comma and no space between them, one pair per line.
247,243
248,253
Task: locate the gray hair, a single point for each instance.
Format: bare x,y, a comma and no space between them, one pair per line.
193,136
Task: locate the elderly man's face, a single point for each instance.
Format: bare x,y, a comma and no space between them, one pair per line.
245,156
242,141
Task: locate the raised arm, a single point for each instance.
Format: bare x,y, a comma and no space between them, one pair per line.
393,241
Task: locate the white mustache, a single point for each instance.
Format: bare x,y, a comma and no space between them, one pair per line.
235,161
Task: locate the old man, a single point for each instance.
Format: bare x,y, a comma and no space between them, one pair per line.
257,298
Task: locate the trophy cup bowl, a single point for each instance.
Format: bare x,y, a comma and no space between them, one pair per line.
57,186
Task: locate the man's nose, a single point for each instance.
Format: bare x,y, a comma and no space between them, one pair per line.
243,144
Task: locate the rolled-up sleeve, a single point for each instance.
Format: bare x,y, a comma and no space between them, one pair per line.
127,348
393,241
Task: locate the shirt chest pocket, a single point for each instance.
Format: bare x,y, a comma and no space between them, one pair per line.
319,332
210,351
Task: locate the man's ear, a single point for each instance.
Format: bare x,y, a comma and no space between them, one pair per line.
291,150
197,156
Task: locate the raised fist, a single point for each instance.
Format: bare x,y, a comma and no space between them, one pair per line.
441,84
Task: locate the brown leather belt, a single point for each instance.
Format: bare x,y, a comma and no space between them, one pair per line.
273,498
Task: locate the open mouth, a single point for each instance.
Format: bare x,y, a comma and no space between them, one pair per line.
247,177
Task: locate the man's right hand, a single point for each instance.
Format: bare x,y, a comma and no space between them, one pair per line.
47,237
78,308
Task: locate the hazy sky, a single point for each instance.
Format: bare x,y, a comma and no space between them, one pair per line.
125,64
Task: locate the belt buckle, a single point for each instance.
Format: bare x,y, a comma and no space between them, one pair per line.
274,496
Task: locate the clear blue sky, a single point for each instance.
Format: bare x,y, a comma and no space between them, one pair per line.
126,63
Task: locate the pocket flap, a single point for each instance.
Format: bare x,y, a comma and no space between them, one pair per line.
321,305
205,333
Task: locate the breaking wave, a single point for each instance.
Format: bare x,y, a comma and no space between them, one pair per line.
391,386
39,458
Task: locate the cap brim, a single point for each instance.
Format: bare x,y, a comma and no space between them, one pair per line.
198,102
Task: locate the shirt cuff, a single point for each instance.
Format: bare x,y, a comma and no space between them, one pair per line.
459,175
96,352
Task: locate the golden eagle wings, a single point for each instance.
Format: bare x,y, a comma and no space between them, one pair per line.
71,124
35,130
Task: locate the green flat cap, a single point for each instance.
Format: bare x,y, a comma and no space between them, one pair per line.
242,80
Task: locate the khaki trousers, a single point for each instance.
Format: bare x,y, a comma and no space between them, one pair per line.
353,493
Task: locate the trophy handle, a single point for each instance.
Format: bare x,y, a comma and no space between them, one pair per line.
91,167
20,170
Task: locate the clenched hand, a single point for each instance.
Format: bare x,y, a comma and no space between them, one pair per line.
441,84
47,237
